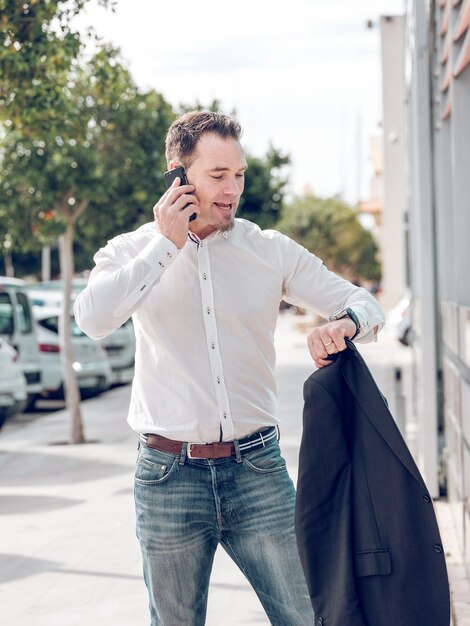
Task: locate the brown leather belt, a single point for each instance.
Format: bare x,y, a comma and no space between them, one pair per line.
216,450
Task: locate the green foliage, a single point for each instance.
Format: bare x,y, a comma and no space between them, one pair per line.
113,164
265,184
132,157
331,229
78,135
39,48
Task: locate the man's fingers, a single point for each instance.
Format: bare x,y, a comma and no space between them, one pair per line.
322,363
183,200
326,340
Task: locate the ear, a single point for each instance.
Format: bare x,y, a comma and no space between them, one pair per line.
173,164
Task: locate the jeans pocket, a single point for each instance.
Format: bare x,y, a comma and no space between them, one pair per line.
154,470
265,460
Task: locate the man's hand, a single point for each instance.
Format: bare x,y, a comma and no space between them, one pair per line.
329,339
171,216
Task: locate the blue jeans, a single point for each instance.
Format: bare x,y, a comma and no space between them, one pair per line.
186,507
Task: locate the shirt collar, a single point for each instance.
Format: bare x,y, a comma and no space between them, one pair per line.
193,237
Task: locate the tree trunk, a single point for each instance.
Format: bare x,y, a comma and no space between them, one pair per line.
46,263
71,390
9,268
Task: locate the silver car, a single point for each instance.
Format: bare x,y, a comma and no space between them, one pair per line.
13,392
18,329
91,363
119,346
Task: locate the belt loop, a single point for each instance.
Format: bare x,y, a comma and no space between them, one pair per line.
278,430
238,454
183,453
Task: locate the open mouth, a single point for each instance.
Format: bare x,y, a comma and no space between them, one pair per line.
225,207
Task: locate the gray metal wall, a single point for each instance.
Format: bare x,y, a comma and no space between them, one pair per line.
438,103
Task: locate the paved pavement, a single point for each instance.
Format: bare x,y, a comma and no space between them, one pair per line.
68,553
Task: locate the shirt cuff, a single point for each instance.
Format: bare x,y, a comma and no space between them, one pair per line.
368,320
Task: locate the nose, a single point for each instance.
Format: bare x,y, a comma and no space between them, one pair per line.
233,188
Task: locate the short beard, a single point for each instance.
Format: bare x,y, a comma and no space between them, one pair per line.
224,228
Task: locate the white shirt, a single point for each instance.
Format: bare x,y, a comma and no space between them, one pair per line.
204,318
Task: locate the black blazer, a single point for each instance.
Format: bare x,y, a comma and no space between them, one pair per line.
366,529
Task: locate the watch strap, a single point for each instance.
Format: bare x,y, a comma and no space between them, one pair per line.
350,313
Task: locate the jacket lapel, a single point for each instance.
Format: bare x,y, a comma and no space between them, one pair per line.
368,396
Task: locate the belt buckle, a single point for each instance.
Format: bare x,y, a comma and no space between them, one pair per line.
188,450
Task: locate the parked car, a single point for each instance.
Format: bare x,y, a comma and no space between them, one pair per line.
119,346
18,329
399,320
50,292
13,392
90,360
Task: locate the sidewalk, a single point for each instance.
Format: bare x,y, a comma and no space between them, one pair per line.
68,553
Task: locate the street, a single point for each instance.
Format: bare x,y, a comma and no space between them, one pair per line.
68,552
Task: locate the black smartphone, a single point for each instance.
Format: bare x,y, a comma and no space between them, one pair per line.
177,172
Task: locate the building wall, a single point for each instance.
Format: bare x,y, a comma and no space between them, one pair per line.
450,37
422,242
437,71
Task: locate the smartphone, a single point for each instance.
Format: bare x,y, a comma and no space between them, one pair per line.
169,177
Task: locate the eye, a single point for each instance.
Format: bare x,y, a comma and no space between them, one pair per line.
217,177
240,175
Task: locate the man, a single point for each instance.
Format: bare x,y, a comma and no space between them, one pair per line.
204,296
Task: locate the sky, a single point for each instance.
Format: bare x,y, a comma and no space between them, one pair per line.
301,75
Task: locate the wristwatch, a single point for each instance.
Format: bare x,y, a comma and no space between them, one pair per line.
348,313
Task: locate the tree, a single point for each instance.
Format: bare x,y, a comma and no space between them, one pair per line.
265,186
132,156
111,168
39,46
330,228
39,50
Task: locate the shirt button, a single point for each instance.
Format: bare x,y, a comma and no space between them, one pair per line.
225,416
218,379
437,548
204,276
213,346
208,311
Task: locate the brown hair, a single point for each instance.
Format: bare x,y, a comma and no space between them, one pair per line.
184,133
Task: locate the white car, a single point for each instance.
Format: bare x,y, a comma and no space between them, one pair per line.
18,329
119,346
400,318
90,360
13,392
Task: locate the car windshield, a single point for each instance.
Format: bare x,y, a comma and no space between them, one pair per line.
52,323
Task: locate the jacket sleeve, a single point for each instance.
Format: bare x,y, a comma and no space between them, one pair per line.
324,511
